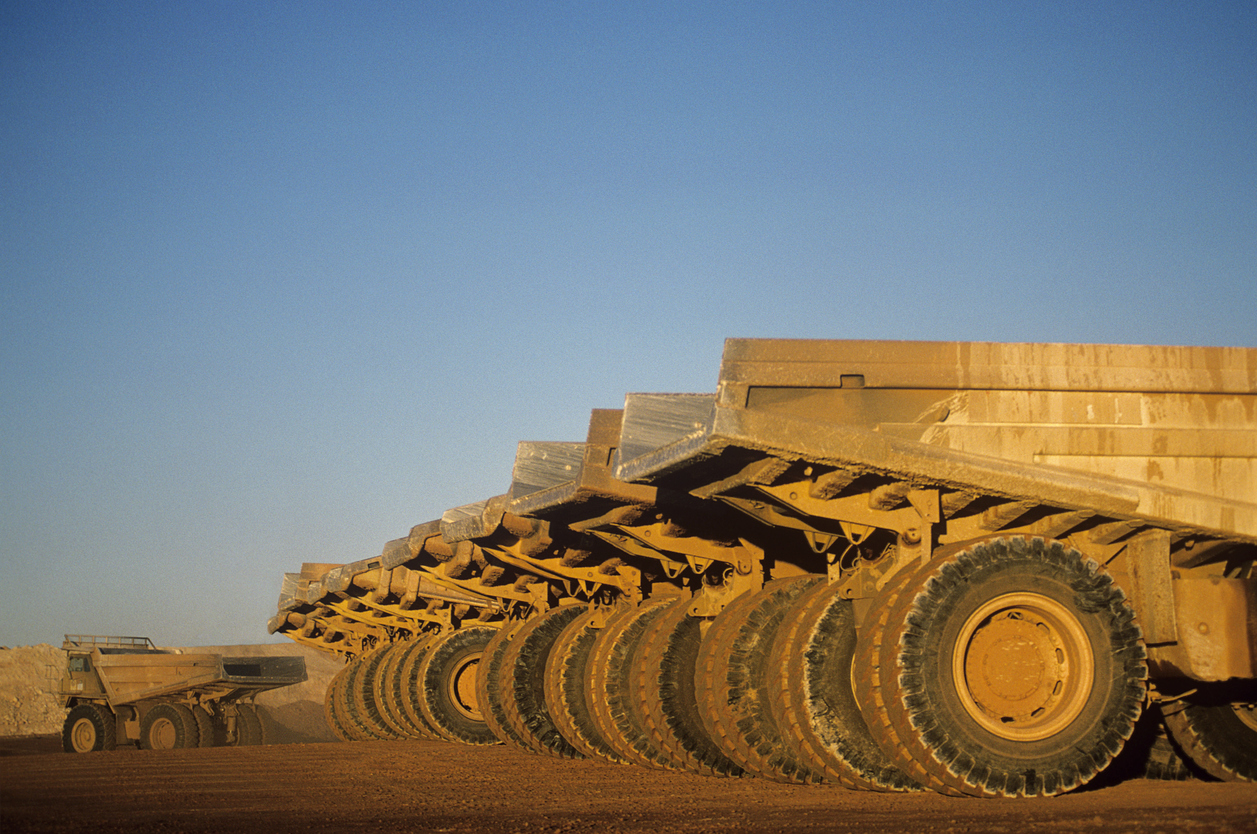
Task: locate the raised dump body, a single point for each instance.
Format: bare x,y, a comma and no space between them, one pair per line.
125,688
1171,433
968,567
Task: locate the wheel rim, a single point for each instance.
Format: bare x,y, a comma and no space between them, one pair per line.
1023,667
83,736
162,735
461,687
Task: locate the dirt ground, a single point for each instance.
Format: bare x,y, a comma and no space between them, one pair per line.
434,787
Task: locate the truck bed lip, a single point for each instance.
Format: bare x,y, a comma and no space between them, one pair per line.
473,521
872,452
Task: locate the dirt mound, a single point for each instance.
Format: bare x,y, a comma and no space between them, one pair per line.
30,704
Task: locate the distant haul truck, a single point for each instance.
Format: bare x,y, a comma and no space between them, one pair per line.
969,567
125,689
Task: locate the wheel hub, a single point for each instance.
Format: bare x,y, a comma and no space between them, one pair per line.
163,734
83,735
462,688
1023,666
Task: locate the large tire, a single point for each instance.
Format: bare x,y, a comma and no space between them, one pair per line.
390,691
1018,670
362,703
663,683
1164,762
250,731
733,683
608,692
522,682
385,676
866,672
204,726
1219,738
375,686
1148,754
567,700
342,692
711,690
89,727
365,726
168,727
488,686
331,709
266,724
410,690
342,700
447,675
812,698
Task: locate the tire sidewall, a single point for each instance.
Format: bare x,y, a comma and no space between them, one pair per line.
567,693
822,694
153,718
447,658
1216,740
1004,567
410,688
94,716
488,679
523,679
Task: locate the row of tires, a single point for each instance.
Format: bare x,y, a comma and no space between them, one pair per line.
166,726
781,685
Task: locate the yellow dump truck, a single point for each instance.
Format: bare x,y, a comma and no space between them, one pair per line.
970,567
125,689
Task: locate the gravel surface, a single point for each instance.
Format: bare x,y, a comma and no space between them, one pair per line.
434,787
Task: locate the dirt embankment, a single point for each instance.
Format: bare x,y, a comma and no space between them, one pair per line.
30,704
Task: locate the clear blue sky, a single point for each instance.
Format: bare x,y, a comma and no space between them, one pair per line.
280,280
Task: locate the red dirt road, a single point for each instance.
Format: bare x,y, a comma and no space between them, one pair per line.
432,787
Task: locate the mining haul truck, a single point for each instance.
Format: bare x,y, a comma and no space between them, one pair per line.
126,690
968,567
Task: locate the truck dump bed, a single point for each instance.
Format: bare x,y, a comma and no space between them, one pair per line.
137,671
1161,433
